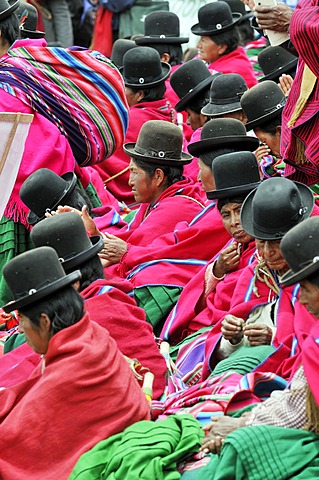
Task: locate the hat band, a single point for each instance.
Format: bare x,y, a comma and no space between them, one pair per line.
142,80
309,262
276,107
35,289
224,101
218,26
157,154
298,216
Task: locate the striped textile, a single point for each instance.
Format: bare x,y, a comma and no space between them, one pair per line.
80,91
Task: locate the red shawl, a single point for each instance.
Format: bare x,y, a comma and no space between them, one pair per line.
309,358
188,317
109,304
244,301
85,394
138,115
235,62
304,33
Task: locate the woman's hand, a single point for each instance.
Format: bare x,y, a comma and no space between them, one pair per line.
285,83
262,151
258,334
275,17
227,261
232,329
88,221
217,431
113,250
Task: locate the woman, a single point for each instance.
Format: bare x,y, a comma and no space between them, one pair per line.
81,371
219,41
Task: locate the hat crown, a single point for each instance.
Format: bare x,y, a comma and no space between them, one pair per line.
213,18
31,271
285,211
28,16
142,66
300,245
236,6
273,58
222,127
43,190
161,24
235,169
227,88
120,47
160,140
65,233
262,100
188,76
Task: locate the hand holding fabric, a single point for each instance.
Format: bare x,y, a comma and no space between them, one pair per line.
258,334
114,248
218,430
232,329
275,17
227,261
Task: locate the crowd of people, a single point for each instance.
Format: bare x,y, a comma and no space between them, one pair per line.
159,251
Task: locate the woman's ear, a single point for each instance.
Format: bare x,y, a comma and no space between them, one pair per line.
159,177
278,130
222,49
45,322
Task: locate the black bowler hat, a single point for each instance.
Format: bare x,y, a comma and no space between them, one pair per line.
161,27
159,142
142,68
44,190
7,7
215,18
67,235
235,174
34,275
120,47
225,93
274,61
277,205
223,132
190,80
300,247
237,6
28,20
262,103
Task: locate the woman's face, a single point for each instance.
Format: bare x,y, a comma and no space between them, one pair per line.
144,188
231,219
208,50
205,176
37,337
272,141
195,120
269,251
309,297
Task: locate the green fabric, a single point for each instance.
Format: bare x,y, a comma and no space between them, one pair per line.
268,453
132,19
173,351
243,360
13,342
14,239
144,451
157,302
129,217
90,193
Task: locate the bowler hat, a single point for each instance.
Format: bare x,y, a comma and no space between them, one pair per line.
28,20
215,18
7,7
159,142
44,190
189,80
300,247
225,93
142,67
274,61
120,47
223,132
67,235
262,103
277,205
34,275
161,27
237,6
235,174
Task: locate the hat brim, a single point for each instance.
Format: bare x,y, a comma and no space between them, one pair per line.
160,40
277,73
263,118
231,191
242,142
9,10
290,277
196,29
245,16
43,292
71,180
246,214
32,33
212,109
129,149
166,69
80,258
192,94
